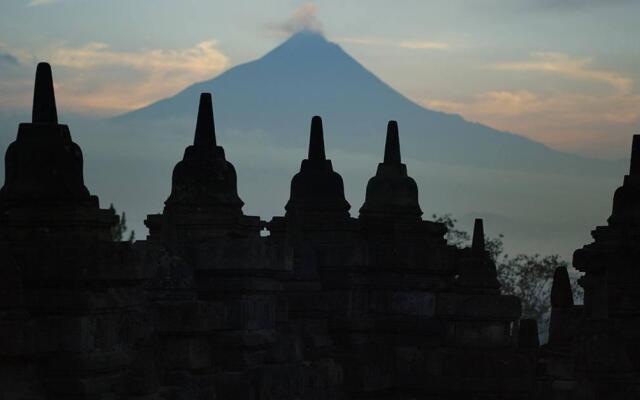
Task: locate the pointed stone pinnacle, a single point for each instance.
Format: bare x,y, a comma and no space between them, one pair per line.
634,168
205,128
561,294
477,244
316,140
44,99
392,145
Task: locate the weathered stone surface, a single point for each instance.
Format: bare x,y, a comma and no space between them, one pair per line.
391,194
325,307
592,351
317,192
471,306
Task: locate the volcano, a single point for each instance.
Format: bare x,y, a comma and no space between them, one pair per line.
541,199
308,75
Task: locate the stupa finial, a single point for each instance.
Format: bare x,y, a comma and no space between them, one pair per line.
316,140
392,145
477,244
634,167
44,99
205,128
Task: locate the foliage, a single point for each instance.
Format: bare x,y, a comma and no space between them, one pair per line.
527,276
530,278
454,236
118,230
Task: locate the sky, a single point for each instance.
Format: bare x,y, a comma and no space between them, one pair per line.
562,72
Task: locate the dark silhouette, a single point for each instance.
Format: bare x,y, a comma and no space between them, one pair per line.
44,100
480,274
307,73
325,306
270,98
528,334
43,162
391,194
44,186
317,192
204,179
593,349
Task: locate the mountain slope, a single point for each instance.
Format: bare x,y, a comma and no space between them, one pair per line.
542,200
308,75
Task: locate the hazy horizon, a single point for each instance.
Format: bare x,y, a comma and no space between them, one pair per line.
522,189
519,66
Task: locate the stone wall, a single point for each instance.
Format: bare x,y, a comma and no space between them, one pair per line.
321,305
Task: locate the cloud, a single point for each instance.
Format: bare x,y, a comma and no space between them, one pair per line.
16,78
566,121
424,45
97,79
202,59
8,59
525,7
304,18
414,45
575,4
575,120
576,108
12,73
14,56
562,64
35,3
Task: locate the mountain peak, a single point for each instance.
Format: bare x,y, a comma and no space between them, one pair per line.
308,74
306,43
308,36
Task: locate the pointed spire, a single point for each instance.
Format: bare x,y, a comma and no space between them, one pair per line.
634,168
561,294
477,245
44,99
528,334
392,146
205,129
316,140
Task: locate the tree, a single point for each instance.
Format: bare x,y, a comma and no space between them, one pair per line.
527,276
530,278
120,228
454,236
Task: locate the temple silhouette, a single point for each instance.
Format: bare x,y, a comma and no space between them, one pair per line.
315,304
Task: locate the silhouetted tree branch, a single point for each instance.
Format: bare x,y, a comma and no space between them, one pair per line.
527,276
119,229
